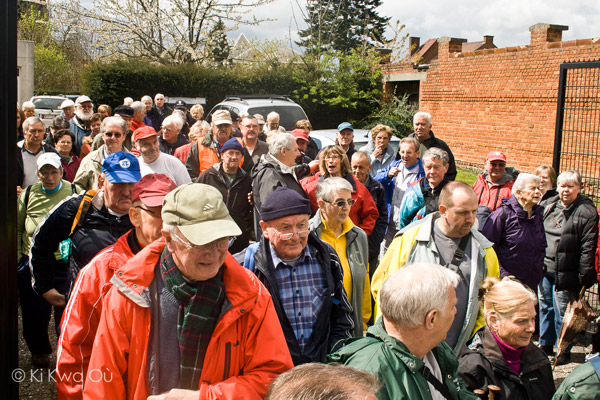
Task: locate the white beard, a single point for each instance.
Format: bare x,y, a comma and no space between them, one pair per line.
82,115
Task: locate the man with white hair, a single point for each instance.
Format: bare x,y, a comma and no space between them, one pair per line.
171,137
153,118
80,123
113,134
28,109
273,123
154,161
273,170
139,113
127,101
423,132
30,149
161,107
405,349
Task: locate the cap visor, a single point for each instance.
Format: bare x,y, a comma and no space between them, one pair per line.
205,232
153,201
123,176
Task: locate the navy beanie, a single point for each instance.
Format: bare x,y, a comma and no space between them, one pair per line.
232,144
284,202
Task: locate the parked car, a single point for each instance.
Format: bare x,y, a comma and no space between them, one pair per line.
326,137
289,111
47,107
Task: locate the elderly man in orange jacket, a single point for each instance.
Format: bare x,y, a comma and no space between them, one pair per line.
183,319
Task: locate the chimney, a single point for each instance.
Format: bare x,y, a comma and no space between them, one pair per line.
414,43
546,33
489,40
450,45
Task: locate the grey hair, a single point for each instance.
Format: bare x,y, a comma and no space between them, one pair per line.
523,180
316,381
27,104
435,154
159,94
422,114
120,122
138,106
361,154
569,177
127,101
279,141
30,121
146,97
326,188
412,291
272,115
413,140
175,119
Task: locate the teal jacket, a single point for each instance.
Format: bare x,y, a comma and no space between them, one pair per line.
581,384
396,368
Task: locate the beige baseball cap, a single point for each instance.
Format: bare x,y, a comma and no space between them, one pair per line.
221,117
199,212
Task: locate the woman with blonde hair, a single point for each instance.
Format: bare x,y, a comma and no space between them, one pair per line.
503,354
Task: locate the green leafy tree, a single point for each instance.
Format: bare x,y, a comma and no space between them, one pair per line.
342,25
395,112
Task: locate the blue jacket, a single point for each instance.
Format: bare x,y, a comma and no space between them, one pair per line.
419,200
519,241
389,184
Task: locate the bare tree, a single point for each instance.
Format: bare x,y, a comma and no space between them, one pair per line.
164,31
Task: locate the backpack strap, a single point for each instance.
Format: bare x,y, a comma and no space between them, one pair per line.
27,193
595,361
84,206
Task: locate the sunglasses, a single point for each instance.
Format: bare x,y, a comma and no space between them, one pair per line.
341,203
116,134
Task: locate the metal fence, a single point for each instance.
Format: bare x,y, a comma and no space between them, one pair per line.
577,135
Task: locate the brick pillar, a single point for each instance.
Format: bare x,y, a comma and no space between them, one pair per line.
447,45
413,44
543,33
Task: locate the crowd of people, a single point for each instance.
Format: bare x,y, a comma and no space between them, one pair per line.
236,260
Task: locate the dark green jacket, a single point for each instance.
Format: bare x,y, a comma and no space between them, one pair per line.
396,368
581,384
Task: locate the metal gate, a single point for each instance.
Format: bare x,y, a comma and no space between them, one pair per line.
577,135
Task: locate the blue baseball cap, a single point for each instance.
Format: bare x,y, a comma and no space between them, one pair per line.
121,167
345,125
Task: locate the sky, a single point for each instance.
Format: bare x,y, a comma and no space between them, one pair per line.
508,21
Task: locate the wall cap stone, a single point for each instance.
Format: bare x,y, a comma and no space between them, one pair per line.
544,26
446,39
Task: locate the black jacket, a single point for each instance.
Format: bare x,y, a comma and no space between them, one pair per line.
99,229
46,148
236,198
483,364
440,144
169,148
334,322
378,193
575,256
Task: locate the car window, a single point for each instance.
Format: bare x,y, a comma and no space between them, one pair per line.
288,116
47,103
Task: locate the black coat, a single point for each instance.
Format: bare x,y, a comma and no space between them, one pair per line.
575,256
236,198
334,322
378,193
483,364
99,229
46,148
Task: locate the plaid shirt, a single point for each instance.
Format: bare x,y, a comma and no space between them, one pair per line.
302,291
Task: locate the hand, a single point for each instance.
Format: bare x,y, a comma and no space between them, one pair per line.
377,152
314,164
177,394
53,297
393,172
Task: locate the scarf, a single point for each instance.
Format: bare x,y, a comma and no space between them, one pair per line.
199,309
511,355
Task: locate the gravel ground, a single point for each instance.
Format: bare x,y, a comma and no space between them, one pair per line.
38,384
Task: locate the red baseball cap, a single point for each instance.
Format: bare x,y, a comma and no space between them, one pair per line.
152,189
300,134
143,133
496,156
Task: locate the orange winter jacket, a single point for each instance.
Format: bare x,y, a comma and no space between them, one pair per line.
81,317
246,352
491,194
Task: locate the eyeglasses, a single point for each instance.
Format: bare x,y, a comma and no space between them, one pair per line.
341,203
287,236
110,134
64,143
46,174
331,158
153,213
221,244
85,105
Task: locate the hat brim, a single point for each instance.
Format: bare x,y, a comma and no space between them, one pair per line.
207,231
222,122
123,176
496,159
153,201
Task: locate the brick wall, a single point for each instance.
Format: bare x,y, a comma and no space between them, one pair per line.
501,98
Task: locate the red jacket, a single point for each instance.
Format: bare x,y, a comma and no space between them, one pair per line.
182,152
246,352
491,194
81,317
363,213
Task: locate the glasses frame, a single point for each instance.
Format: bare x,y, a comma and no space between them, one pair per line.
204,248
288,236
341,203
111,134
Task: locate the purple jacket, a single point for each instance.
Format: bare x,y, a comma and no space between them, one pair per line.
519,241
